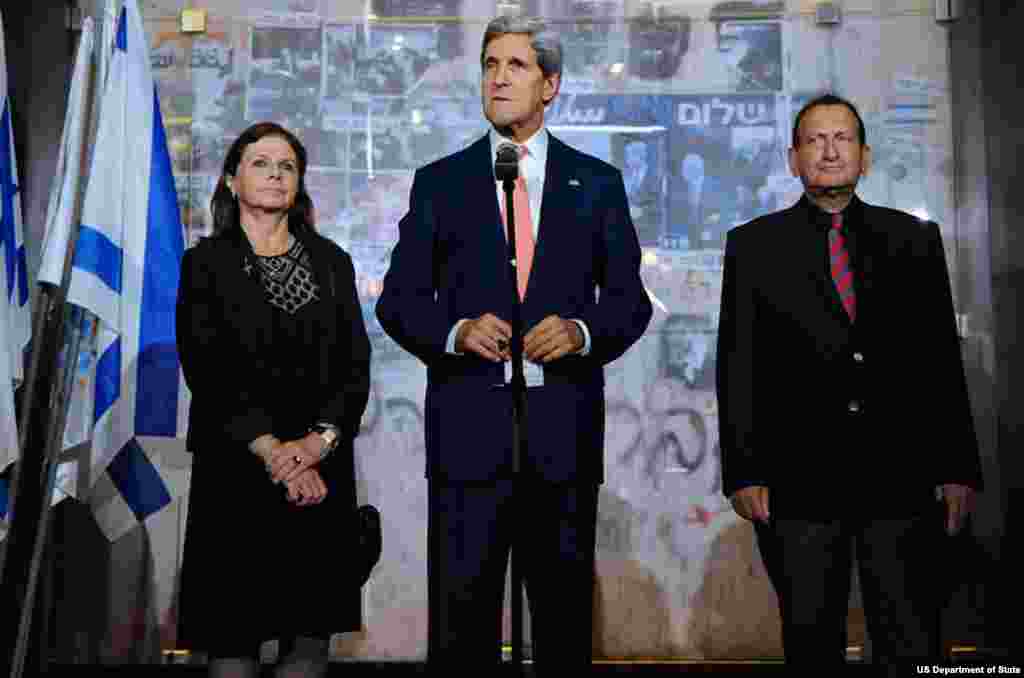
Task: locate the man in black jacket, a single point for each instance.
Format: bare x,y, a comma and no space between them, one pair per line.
843,407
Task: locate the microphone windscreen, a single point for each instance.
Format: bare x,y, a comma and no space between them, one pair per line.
506,167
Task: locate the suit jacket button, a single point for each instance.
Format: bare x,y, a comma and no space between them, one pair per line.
853,407
858,357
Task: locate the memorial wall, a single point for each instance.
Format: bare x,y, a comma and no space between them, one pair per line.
694,102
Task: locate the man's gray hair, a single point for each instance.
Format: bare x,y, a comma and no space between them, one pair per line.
544,41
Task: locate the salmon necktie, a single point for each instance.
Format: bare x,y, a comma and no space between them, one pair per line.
524,228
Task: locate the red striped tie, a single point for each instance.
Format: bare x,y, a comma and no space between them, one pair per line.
842,273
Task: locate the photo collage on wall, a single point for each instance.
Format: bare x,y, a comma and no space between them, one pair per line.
694,105
692,109
370,102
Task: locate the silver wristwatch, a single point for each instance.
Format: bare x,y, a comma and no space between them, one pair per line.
330,434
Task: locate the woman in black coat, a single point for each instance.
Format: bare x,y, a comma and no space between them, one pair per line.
274,349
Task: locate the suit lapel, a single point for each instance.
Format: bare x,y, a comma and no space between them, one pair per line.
480,197
556,200
557,208
554,182
478,208
869,246
811,251
482,193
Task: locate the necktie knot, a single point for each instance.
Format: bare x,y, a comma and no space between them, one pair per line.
837,221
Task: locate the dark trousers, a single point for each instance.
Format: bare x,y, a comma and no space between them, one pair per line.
899,561
550,528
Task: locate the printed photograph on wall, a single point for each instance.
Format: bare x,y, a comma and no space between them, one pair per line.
194,194
658,41
382,136
441,126
643,160
324,147
179,142
386,148
726,155
169,61
594,46
392,58
329,190
447,15
339,84
378,202
219,92
734,46
752,53
688,350
285,75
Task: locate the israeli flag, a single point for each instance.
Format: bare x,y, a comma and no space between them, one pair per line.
126,267
132,489
4,501
60,212
15,317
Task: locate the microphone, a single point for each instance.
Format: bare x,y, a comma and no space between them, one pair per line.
506,167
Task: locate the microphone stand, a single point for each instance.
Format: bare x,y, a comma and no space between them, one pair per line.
507,171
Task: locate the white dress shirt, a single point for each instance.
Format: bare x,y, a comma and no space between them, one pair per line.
531,168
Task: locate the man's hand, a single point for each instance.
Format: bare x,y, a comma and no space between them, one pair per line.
751,503
486,336
959,500
552,338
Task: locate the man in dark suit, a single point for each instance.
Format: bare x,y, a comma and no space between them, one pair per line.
448,298
844,412
697,211
644,190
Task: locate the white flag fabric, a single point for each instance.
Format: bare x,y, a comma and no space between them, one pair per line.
15,316
60,215
61,210
108,32
126,267
132,491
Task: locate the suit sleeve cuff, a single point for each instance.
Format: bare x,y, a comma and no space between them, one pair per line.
449,346
586,337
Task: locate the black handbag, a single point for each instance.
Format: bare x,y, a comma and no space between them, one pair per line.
370,541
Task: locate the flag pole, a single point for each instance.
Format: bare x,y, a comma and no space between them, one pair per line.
43,416
65,375
47,298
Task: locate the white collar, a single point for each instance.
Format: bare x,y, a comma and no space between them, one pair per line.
536,145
